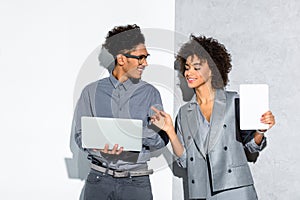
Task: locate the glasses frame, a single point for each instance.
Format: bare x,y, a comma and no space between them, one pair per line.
140,58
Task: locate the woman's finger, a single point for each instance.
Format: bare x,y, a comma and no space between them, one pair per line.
155,109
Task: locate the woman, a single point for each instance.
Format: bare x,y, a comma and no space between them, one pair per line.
208,141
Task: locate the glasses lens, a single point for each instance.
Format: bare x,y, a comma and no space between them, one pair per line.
142,58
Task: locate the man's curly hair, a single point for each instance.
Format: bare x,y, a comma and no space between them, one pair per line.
210,50
123,39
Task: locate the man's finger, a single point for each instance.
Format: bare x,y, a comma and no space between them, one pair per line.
120,151
114,150
105,150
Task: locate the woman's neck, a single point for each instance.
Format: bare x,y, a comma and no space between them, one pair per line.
205,94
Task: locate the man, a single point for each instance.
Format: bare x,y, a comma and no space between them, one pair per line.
116,174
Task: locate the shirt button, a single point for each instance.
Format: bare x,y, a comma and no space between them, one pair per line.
225,148
191,158
120,109
224,126
189,137
229,171
193,181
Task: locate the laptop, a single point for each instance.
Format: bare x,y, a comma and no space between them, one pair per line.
98,131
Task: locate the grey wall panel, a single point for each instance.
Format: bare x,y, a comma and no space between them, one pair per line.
264,40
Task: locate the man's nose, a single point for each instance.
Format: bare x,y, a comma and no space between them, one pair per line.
145,63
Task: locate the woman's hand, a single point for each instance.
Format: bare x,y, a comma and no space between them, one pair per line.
268,118
162,120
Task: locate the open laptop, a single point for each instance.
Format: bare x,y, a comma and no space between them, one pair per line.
98,131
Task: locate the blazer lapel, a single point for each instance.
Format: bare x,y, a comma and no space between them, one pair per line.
217,118
193,125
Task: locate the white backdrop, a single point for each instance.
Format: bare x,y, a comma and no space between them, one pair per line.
43,45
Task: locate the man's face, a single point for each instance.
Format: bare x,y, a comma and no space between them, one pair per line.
133,67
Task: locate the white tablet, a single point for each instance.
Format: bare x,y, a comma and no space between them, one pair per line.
254,101
97,131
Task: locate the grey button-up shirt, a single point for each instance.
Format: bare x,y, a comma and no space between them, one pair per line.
132,100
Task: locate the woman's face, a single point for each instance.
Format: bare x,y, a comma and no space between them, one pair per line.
197,72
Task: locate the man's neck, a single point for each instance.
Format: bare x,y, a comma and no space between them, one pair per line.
120,76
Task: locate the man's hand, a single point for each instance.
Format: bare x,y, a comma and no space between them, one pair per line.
114,151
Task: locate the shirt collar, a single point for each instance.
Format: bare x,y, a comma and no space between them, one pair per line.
127,84
114,81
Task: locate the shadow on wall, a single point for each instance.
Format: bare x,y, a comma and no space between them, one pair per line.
78,166
187,94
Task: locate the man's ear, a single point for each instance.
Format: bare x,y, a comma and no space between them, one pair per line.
120,59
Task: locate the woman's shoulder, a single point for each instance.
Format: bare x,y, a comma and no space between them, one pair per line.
184,108
233,94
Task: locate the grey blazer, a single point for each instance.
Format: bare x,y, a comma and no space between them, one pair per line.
224,154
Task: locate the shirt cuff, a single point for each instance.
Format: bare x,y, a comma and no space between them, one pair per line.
181,161
253,147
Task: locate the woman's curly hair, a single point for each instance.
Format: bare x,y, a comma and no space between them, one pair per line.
210,50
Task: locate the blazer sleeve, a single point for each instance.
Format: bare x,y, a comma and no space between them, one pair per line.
181,161
247,136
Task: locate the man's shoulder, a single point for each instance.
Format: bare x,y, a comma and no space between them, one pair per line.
90,86
93,85
147,86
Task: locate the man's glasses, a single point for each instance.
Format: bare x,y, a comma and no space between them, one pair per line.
140,58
